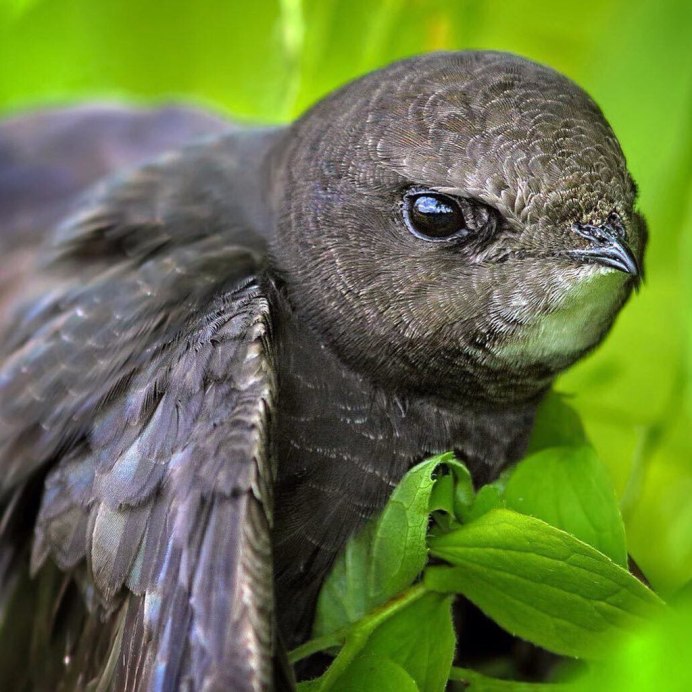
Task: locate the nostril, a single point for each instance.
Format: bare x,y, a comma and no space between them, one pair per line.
592,232
611,229
614,223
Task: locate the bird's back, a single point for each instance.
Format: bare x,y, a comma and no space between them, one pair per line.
48,159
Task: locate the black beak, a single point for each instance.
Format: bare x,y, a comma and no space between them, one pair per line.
608,247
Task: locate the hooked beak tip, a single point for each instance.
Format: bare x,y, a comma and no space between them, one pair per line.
609,250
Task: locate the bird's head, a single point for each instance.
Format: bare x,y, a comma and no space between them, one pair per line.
458,223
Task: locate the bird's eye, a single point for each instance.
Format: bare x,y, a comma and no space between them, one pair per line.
434,216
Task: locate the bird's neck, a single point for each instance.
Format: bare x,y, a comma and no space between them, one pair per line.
343,443
319,389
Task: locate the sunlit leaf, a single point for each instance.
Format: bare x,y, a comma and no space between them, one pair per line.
557,425
420,639
385,557
540,583
372,674
569,488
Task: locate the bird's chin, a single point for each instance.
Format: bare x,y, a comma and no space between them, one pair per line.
584,303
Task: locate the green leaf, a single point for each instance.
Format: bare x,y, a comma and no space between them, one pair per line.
569,488
442,496
398,552
464,494
372,674
442,503
540,583
385,557
420,638
490,496
453,492
557,424
344,597
414,631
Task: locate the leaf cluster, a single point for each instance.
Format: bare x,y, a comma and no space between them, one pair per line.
541,551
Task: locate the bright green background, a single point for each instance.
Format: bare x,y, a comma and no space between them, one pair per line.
262,60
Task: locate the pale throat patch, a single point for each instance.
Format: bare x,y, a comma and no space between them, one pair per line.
577,321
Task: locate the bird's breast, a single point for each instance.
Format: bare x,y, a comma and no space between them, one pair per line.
342,444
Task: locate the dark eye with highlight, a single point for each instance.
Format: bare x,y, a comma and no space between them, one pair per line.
434,216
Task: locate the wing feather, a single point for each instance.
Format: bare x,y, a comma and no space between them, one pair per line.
140,391
182,520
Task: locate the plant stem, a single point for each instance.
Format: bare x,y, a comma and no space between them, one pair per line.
312,646
355,636
488,684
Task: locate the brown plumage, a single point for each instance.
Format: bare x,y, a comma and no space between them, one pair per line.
298,312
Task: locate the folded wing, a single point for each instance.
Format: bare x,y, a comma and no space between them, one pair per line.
135,397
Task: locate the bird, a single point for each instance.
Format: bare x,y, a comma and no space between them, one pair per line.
221,347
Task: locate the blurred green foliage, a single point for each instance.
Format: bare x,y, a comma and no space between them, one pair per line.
267,60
